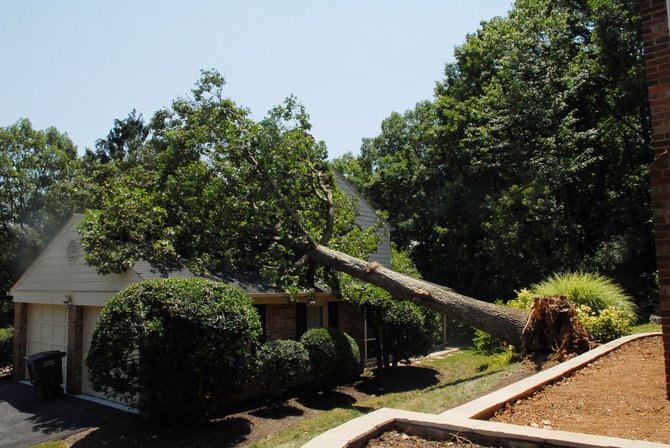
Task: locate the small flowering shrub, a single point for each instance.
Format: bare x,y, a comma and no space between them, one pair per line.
610,324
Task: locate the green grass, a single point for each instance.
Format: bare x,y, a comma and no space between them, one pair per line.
646,328
465,375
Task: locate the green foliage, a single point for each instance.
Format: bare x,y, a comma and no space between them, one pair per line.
214,190
282,364
532,157
175,348
603,307
592,290
6,346
334,356
36,169
606,325
6,312
404,329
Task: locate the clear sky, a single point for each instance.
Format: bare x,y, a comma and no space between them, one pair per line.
78,65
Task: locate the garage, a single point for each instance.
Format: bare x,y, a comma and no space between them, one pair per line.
91,314
47,329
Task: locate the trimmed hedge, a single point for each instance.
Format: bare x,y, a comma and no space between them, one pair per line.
174,348
334,356
282,364
6,346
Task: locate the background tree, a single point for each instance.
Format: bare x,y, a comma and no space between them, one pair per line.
531,159
36,170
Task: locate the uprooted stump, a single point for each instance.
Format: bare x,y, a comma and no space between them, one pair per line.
552,327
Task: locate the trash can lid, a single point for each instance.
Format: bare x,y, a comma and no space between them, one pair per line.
50,354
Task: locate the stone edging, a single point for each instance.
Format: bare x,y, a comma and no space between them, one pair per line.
464,418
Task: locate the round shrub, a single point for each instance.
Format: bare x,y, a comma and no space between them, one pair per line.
6,346
174,348
334,356
282,364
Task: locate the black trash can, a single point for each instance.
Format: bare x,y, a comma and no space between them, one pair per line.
45,370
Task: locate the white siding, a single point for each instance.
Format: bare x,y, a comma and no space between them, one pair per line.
367,217
56,273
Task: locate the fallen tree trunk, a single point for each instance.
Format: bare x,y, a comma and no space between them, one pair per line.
501,322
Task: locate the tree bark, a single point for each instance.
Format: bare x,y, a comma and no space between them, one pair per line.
501,322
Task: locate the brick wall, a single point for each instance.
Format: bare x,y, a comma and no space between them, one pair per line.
20,341
75,349
657,57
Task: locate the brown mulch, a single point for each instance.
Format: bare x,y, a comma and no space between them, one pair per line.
621,394
394,439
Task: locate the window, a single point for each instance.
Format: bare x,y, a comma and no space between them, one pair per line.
314,317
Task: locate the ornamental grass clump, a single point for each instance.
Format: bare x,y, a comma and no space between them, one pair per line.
174,348
585,288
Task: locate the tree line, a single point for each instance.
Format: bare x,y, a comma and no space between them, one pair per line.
532,157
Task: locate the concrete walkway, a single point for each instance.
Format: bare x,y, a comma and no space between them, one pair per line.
26,421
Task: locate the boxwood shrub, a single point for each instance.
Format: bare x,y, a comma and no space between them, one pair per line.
282,364
6,346
334,356
174,348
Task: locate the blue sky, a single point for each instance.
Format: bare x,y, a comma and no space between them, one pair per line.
78,65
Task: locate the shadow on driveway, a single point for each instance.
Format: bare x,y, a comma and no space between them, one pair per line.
26,421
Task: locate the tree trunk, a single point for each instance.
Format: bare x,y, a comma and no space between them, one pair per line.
501,322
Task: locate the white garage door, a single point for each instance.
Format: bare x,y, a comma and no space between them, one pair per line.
47,329
91,314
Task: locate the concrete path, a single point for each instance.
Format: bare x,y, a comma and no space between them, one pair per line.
26,421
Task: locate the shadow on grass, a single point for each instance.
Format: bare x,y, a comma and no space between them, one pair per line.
326,401
399,379
277,412
226,432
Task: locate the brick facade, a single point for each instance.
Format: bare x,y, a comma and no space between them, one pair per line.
75,349
657,57
20,341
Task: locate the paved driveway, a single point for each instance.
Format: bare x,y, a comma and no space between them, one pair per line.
26,421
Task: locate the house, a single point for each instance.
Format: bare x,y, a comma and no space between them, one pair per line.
58,299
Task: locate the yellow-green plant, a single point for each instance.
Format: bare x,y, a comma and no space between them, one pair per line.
585,288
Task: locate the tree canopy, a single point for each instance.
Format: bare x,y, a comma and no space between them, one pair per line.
36,169
218,191
531,158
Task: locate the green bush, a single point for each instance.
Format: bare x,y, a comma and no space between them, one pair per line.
282,364
405,329
334,356
605,326
6,346
604,309
585,288
174,348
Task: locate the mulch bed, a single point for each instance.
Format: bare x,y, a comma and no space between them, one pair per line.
621,394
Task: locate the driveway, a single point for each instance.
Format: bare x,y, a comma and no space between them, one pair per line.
26,421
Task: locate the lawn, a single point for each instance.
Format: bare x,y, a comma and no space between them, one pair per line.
430,385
